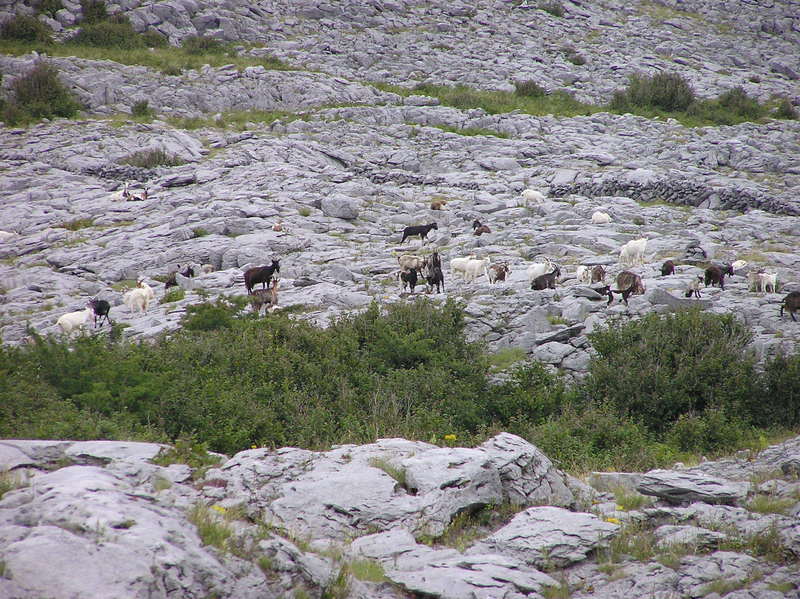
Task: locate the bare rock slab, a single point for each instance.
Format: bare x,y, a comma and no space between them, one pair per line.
683,486
549,536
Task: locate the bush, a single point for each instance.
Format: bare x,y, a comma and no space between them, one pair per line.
554,8
141,109
528,89
93,11
151,159
737,101
780,401
664,91
49,7
785,110
153,39
40,94
25,29
106,34
712,431
662,367
196,44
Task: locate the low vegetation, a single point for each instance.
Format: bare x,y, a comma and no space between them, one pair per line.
151,159
38,94
229,381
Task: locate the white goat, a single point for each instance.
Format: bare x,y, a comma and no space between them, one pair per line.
139,297
763,281
6,235
121,194
409,261
600,218
538,269
207,268
738,264
633,252
74,320
583,274
458,265
533,196
475,268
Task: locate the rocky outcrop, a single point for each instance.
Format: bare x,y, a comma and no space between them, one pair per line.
270,522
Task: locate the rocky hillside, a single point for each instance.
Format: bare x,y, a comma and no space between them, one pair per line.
391,520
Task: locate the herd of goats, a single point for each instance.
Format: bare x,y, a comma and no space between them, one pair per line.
427,270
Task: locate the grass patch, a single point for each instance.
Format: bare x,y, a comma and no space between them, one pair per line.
123,285
556,320
75,225
240,120
200,232
304,211
768,504
367,570
168,60
173,295
634,541
212,529
189,452
468,526
472,131
505,357
630,500
10,481
395,472
151,159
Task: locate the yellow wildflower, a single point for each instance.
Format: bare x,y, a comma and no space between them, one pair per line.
219,508
613,520
450,437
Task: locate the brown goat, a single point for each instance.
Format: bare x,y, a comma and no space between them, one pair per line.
668,268
481,230
628,283
260,274
265,297
598,274
438,204
792,303
715,275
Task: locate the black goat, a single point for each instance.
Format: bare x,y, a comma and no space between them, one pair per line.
260,274
100,308
421,230
188,272
715,275
792,303
409,278
546,281
481,230
435,278
668,268
435,260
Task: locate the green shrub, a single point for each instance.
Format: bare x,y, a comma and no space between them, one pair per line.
173,295
153,39
739,103
40,94
661,367
141,109
785,110
528,89
25,28
780,402
93,11
49,7
665,91
554,8
196,44
151,159
712,431
106,34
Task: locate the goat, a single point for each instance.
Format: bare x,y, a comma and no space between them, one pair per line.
792,303
421,230
121,194
598,274
434,278
693,287
435,260
763,281
207,268
473,268
438,204
260,274
628,283
600,218
188,272
476,223
546,281
583,274
141,198
633,252
539,268
533,196
139,297
277,226
265,297
668,268
409,278
74,320
481,230
738,264
100,308
715,275
171,282
497,272
459,264
408,261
